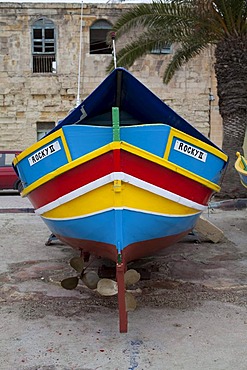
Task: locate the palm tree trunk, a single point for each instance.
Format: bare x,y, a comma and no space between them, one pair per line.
231,74
233,137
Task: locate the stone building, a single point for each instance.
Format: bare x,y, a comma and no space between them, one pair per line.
44,69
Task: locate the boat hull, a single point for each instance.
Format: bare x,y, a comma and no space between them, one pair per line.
241,168
132,197
132,233
132,252
122,176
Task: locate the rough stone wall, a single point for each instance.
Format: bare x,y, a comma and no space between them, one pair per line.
27,98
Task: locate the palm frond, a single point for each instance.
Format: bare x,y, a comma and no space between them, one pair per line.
146,42
185,52
155,15
193,24
231,15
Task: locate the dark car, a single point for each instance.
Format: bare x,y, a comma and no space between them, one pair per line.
8,177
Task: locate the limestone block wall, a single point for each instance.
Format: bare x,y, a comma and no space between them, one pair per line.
27,98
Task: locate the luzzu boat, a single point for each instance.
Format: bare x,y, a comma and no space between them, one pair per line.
122,176
241,168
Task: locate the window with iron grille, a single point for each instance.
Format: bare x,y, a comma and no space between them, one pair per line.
44,46
98,35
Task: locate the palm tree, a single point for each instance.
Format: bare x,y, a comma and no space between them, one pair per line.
193,25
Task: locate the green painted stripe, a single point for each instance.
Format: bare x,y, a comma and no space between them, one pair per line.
115,124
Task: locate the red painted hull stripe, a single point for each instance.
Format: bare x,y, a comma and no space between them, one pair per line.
130,164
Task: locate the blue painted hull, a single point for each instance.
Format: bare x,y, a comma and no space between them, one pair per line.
127,226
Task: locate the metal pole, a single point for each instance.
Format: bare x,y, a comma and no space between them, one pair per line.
113,35
78,100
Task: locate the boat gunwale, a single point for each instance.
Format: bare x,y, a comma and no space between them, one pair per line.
59,133
238,167
121,145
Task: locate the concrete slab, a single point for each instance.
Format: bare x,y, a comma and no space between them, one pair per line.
191,313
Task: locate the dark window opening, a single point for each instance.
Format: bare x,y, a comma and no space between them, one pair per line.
43,128
98,37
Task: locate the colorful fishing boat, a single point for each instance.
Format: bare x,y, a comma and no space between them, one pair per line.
241,168
122,176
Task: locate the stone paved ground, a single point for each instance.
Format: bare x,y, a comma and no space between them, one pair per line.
191,314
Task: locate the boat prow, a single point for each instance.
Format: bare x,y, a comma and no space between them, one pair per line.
122,176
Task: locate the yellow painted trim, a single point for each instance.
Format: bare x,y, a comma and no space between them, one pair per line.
239,165
46,140
112,146
117,186
240,168
168,146
96,153
183,136
174,167
65,145
243,184
130,197
56,135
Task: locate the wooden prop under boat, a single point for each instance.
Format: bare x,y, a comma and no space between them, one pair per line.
122,176
241,168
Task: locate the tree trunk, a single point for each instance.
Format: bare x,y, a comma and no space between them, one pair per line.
234,132
231,74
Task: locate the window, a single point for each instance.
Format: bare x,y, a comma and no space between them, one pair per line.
9,157
43,128
163,50
43,46
6,159
98,35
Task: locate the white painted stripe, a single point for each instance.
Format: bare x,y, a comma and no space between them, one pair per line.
119,209
126,178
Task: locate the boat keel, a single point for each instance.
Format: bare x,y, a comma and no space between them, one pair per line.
123,316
